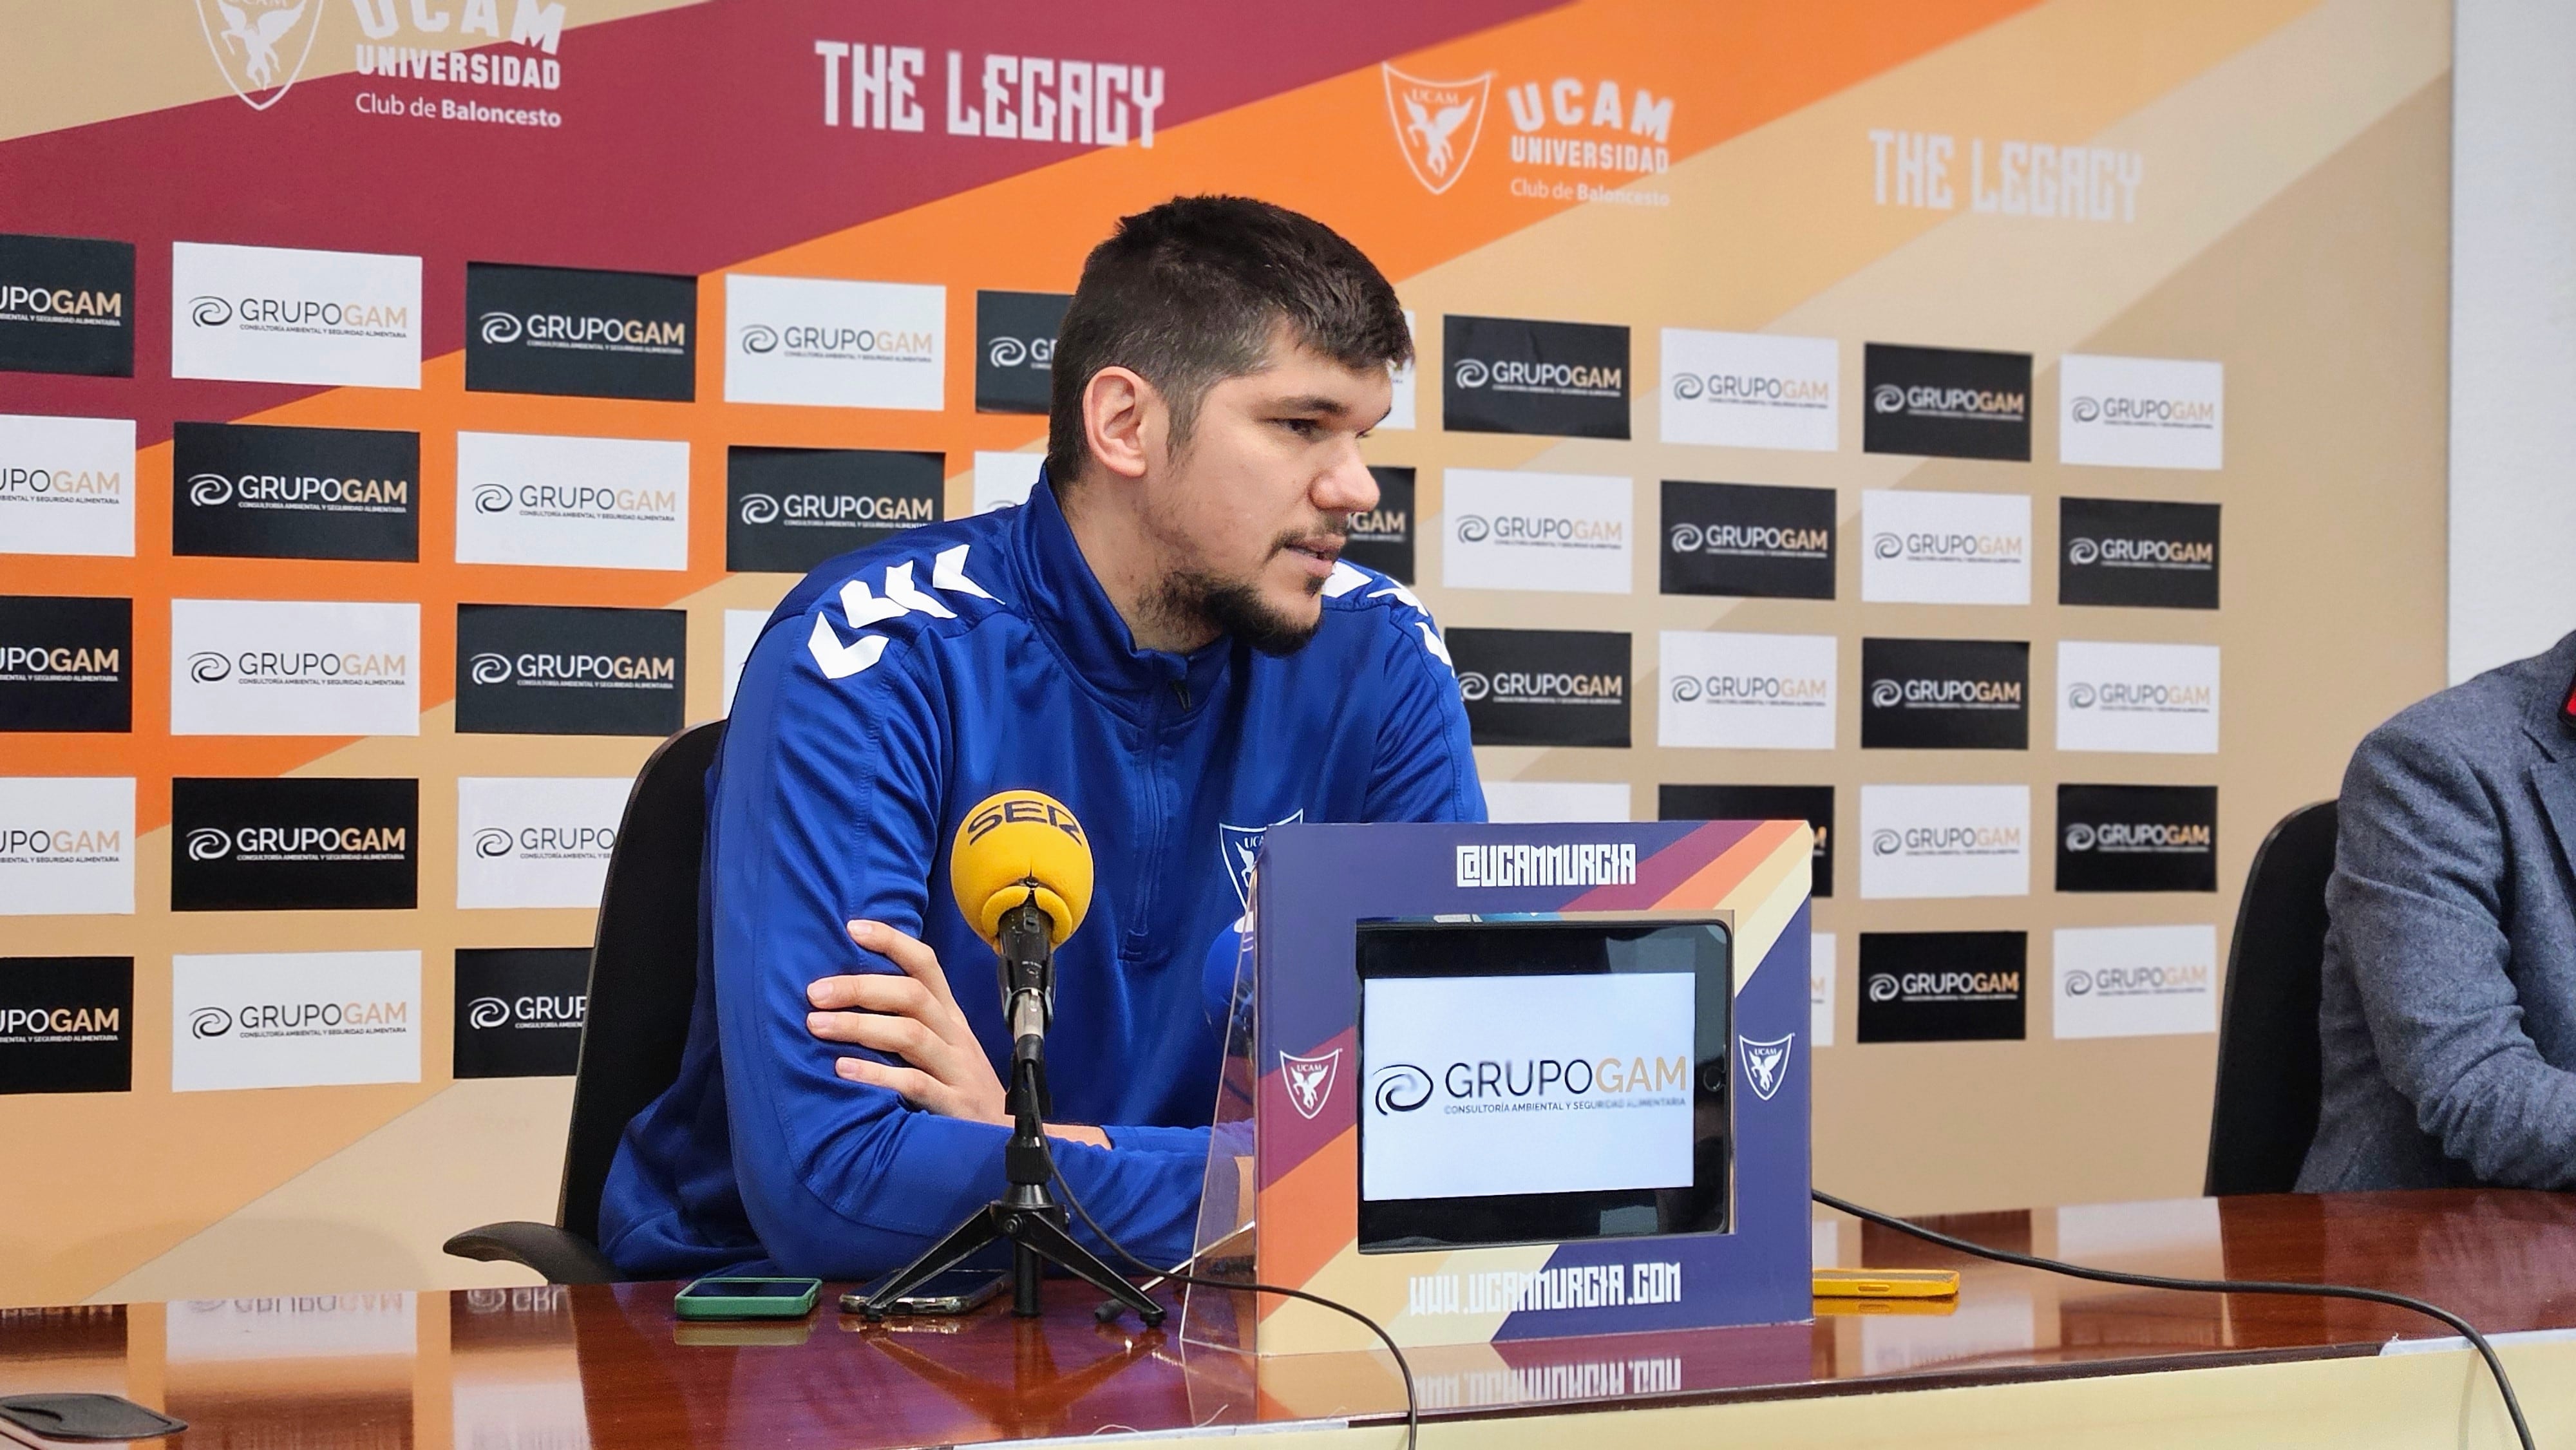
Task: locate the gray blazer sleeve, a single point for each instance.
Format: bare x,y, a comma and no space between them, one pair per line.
2416,902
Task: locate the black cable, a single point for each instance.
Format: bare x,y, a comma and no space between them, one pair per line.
2486,1351
1412,1405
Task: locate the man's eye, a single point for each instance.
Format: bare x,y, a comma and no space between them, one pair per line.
1304,427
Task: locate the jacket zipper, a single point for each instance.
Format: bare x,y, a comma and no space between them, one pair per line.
1150,863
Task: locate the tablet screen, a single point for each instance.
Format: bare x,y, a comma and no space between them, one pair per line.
1541,1080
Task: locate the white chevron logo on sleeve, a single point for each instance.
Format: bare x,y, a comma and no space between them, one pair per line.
840,661
1346,578
899,589
865,607
1402,595
948,571
1433,642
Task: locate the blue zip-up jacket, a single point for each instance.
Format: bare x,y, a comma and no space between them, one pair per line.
893,689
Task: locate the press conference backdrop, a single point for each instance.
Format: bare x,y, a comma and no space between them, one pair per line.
2009,435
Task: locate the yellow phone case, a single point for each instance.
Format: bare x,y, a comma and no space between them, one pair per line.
1886,1283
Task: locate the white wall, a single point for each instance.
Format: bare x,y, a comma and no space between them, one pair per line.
2513,331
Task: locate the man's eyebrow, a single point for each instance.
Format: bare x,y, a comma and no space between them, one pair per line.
1311,403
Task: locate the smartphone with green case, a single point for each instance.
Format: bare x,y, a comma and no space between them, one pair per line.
720,1296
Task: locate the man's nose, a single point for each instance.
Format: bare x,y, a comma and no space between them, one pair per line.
1347,488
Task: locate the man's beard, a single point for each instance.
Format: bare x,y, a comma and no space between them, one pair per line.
1235,607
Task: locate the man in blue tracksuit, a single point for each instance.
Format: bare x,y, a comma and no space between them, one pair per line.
1165,639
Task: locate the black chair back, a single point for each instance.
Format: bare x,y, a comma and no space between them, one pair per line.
2270,1071
643,965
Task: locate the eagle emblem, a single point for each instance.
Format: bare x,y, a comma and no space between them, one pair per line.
255,46
1436,123
1766,1064
1239,847
1310,1080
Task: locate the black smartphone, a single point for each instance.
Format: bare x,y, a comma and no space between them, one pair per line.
954,1292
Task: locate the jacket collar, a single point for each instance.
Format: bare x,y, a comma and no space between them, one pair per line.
1065,600
2549,697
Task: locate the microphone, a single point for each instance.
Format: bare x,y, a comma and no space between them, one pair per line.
1021,870
1022,873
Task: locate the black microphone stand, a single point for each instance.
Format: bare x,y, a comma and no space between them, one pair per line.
1027,1215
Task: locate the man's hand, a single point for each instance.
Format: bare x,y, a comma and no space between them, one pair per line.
913,1017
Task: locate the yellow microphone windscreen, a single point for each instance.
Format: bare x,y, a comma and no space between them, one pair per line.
1015,842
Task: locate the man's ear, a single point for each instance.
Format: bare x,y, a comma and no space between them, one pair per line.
1122,420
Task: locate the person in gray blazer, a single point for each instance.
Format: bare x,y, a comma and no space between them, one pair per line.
2449,1016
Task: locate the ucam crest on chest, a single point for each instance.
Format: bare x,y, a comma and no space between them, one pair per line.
1238,847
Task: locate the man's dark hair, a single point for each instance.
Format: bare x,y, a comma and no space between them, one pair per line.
1189,294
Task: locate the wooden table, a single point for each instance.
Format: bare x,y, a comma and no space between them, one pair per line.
2021,1358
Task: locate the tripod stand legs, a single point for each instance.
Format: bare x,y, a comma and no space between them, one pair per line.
1046,1235
962,1241
1035,1232
1027,1216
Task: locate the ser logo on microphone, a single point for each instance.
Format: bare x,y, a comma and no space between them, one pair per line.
1021,848
1021,809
